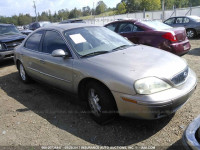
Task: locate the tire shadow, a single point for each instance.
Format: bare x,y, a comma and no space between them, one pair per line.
194,52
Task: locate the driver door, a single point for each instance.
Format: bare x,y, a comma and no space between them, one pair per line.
56,71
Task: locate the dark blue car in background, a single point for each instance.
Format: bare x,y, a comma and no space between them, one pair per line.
10,37
191,24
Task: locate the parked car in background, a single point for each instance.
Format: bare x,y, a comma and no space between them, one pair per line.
72,21
153,33
111,73
10,37
191,24
191,136
26,31
35,25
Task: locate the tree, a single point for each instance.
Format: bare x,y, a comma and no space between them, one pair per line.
86,11
121,8
150,5
75,13
101,7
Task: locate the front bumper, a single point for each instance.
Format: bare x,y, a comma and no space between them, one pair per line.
181,48
156,105
6,54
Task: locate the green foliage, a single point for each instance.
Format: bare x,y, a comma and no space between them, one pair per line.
75,13
101,7
139,5
150,5
86,11
121,8
101,10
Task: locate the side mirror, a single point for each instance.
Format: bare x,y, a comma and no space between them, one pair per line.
59,53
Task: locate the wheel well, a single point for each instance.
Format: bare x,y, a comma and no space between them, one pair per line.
191,29
82,87
17,63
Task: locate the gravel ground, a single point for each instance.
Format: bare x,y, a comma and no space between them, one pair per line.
36,115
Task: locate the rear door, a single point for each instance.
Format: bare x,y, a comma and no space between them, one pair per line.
32,54
130,31
56,70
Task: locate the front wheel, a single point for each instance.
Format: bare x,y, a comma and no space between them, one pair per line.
191,33
101,103
22,73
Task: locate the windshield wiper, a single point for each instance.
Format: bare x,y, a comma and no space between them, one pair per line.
95,53
121,47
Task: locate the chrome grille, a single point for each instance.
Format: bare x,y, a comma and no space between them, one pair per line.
180,78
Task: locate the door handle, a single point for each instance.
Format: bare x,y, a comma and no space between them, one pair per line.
42,61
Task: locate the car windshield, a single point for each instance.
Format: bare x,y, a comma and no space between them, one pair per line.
156,25
196,18
8,30
88,41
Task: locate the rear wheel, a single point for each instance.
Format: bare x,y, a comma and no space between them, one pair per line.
191,33
101,103
22,73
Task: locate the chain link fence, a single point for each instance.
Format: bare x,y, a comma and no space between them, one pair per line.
152,15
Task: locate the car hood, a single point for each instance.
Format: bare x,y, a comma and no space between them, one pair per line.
140,61
9,38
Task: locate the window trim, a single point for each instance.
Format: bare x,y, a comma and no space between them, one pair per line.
128,32
39,48
169,19
61,38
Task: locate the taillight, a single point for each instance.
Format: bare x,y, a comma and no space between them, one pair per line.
169,36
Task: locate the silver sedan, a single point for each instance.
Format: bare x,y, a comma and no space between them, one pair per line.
112,74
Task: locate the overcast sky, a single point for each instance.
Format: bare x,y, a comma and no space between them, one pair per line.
14,7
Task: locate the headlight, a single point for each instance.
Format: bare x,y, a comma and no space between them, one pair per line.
150,85
0,47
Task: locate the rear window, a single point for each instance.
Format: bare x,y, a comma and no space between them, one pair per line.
156,25
196,18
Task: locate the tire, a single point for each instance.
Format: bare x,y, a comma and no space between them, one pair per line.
101,103
191,33
22,73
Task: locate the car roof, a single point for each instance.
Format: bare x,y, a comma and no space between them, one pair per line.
124,20
63,27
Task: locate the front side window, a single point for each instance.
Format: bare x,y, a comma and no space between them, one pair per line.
170,21
53,41
95,40
179,20
33,41
128,27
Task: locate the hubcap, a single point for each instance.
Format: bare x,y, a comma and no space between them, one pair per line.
22,72
93,98
190,33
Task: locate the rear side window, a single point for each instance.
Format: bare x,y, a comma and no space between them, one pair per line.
33,41
186,20
170,21
112,27
53,41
